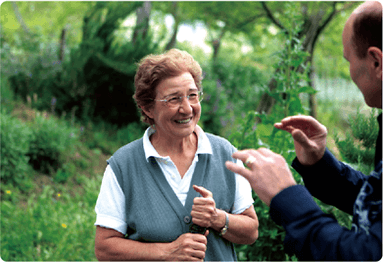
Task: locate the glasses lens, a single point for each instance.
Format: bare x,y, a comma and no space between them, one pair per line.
173,101
193,98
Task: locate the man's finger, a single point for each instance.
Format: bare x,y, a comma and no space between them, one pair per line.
301,138
242,155
204,192
280,126
238,169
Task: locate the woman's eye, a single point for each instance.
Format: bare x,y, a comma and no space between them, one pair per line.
173,99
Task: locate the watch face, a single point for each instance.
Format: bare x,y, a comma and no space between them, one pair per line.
224,230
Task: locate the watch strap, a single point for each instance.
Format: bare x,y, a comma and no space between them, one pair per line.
225,228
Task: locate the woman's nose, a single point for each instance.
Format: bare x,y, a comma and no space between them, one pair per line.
185,106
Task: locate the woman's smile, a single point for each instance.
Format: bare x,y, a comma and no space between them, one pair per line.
183,121
176,122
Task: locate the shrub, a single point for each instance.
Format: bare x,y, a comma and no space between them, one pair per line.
130,133
15,141
7,96
230,88
51,138
291,78
359,145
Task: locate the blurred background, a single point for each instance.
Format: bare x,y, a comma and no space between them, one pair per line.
67,73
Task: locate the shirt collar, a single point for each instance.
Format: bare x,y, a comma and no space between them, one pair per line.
203,144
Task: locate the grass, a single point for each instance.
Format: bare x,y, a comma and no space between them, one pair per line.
54,220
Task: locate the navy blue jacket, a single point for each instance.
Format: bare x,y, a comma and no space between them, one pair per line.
314,235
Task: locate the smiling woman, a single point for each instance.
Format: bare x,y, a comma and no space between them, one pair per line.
149,198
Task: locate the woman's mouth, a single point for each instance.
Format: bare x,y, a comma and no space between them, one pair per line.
183,121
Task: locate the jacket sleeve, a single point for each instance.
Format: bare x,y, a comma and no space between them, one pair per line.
314,235
331,181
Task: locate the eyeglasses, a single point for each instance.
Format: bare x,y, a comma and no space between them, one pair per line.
173,101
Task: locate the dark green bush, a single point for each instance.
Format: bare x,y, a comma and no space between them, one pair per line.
15,141
291,75
359,145
7,96
95,80
51,138
130,133
269,245
231,88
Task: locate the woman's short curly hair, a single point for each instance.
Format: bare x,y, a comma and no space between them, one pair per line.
153,69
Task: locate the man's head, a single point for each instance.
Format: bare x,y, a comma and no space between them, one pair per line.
362,41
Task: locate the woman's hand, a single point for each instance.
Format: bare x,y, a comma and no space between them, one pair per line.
204,212
188,247
242,228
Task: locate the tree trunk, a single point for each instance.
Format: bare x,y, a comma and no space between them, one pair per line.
176,17
62,44
312,28
216,43
142,21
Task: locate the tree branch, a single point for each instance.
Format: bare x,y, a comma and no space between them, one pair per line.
246,21
270,16
20,18
328,19
333,13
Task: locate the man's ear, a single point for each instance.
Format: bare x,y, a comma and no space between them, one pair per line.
375,55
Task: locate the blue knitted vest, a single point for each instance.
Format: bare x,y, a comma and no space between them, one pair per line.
153,211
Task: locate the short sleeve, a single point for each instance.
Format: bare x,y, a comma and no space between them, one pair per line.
110,205
243,196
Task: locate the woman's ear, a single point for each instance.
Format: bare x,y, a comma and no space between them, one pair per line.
147,111
375,55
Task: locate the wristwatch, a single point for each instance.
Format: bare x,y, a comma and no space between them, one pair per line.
225,228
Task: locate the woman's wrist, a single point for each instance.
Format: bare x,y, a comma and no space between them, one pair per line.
219,221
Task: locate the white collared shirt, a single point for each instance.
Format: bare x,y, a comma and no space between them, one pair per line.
110,205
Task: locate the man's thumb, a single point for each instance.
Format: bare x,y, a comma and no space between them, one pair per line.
201,190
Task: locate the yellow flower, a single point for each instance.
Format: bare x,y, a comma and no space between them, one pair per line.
8,192
64,225
58,195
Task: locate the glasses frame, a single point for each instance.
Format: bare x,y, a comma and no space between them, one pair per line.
180,99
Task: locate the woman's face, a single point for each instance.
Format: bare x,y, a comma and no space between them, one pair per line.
180,121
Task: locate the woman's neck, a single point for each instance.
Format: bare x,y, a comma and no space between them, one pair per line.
168,147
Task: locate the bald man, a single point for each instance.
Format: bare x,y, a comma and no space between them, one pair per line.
310,233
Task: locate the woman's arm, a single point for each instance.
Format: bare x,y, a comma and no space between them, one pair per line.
110,245
242,228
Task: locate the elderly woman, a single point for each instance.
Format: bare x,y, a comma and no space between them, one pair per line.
157,189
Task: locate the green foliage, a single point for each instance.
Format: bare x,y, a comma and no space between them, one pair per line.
94,76
51,226
291,82
108,138
230,88
52,17
15,140
51,138
7,95
328,60
359,145
129,133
